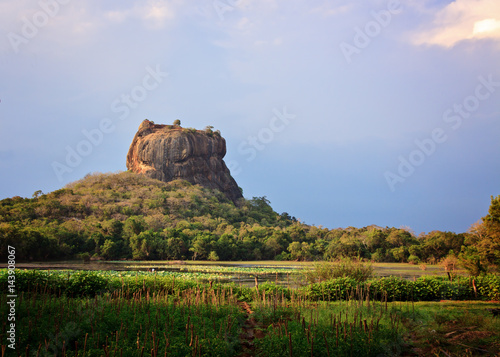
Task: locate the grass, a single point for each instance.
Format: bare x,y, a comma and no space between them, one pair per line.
406,270
145,314
190,323
452,329
330,329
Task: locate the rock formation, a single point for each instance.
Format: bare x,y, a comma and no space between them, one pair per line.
169,152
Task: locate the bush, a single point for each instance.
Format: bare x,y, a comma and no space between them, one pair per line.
398,289
85,257
271,288
344,267
488,286
413,259
392,288
283,256
86,283
334,289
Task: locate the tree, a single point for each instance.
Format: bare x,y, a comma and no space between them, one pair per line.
295,249
471,260
134,225
37,193
275,244
399,254
208,130
482,245
201,246
489,246
177,122
109,249
147,245
175,246
213,256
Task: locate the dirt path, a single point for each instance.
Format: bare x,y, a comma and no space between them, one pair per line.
250,331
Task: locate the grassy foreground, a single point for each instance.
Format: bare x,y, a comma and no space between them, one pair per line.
209,323
112,314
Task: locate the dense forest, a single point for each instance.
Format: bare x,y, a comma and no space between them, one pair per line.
129,216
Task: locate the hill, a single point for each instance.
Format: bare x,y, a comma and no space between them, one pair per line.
130,216
127,215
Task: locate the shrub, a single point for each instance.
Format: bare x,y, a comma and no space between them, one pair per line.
85,257
392,288
488,286
344,267
86,283
334,289
413,259
271,288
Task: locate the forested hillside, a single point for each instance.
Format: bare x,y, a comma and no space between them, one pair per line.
129,216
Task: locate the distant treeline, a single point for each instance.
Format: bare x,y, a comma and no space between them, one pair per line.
129,216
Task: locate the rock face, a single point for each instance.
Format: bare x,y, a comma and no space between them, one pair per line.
169,152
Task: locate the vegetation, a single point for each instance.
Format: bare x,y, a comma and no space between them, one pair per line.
481,251
130,216
86,283
341,268
338,308
183,325
133,314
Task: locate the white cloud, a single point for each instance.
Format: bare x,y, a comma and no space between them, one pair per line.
156,14
327,9
461,20
486,27
80,22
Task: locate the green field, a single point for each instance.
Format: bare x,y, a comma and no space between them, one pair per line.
145,313
235,269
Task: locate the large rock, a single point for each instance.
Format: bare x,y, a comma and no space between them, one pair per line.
169,152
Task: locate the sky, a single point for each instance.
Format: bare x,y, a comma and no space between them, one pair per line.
341,113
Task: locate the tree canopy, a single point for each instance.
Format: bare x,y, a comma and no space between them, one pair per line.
130,216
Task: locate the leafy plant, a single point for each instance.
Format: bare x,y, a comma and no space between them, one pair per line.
343,267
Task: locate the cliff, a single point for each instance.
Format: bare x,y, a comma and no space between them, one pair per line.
169,152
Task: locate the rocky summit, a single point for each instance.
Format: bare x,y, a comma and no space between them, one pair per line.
170,152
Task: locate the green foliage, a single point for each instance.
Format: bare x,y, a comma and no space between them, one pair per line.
272,289
85,283
397,289
343,267
482,252
79,283
213,256
334,289
208,130
84,256
488,286
175,326
328,330
130,216
125,215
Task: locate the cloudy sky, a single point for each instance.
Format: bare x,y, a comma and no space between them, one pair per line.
342,113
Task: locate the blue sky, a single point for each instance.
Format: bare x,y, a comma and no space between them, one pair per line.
341,113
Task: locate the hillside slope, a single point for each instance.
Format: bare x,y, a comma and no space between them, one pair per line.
130,216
